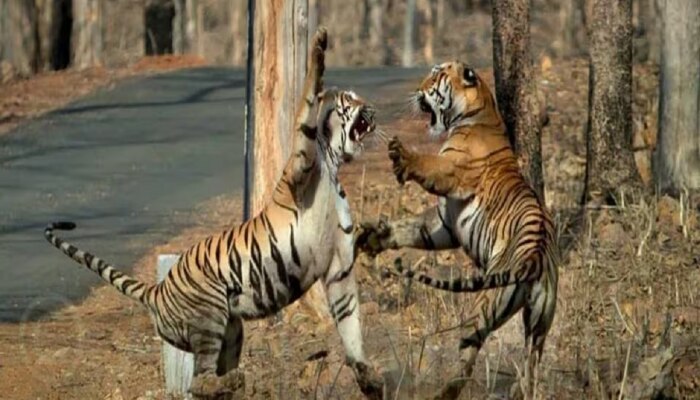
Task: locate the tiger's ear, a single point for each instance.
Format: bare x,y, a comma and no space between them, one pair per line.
469,76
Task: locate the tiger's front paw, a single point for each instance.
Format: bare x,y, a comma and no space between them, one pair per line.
370,382
402,160
208,386
372,238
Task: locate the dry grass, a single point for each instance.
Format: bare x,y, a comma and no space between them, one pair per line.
630,270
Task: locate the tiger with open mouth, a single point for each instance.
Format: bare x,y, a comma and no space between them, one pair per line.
251,271
486,207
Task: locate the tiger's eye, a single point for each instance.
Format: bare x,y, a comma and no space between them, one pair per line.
469,76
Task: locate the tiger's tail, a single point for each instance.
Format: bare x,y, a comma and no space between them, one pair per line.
525,260
124,283
471,284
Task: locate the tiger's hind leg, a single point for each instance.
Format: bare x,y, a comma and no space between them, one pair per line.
227,365
207,344
538,315
344,305
491,309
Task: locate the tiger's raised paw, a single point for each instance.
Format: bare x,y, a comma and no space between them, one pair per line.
320,38
402,160
319,44
372,238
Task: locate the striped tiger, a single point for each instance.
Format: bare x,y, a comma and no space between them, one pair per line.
251,271
485,207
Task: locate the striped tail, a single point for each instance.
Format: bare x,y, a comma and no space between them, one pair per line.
124,283
476,283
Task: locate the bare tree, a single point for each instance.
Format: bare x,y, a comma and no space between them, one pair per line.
193,26
87,36
186,26
647,44
516,86
179,27
409,34
677,158
314,8
610,166
238,12
377,43
427,30
280,65
48,14
18,40
440,12
571,22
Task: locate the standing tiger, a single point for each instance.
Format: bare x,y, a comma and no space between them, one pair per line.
485,206
251,271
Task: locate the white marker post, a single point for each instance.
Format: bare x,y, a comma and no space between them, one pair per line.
178,365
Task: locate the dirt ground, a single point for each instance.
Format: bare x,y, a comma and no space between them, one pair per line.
628,289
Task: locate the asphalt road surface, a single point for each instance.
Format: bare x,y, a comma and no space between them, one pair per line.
128,165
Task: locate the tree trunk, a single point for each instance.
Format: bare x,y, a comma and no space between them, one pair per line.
647,41
428,30
516,86
87,33
653,26
610,162
179,27
440,20
198,19
677,158
357,28
186,27
280,65
571,21
192,29
409,34
314,8
18,36
48,14
377,43
238,14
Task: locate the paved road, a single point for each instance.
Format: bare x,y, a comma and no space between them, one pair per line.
128,165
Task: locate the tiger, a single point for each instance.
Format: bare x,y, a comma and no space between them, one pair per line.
485,206
251,271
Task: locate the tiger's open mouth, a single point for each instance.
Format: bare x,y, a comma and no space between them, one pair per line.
425,107
363,125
